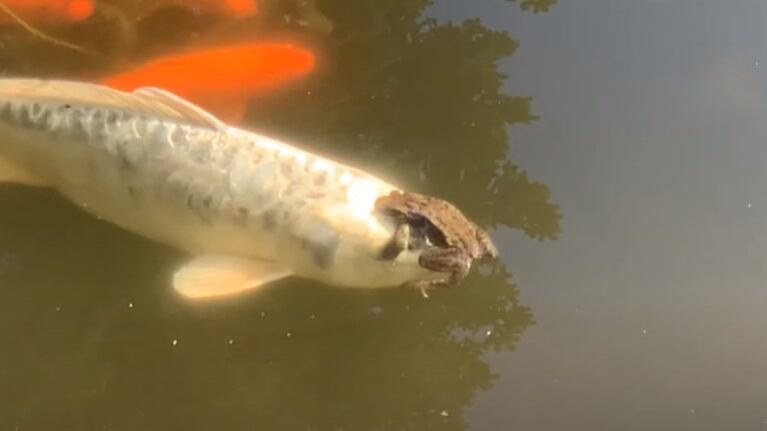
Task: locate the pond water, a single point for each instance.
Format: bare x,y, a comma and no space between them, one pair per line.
614,149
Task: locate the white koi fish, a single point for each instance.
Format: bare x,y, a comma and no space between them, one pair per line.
250,209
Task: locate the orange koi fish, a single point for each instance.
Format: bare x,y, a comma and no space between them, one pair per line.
49,11
237,8
229,8
222,79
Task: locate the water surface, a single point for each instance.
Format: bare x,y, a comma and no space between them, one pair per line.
613,148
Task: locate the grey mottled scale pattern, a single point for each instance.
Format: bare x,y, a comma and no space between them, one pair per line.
210,172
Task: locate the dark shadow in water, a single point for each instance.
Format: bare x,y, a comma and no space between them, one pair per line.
88,321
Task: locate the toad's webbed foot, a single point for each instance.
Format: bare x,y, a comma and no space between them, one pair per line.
423,286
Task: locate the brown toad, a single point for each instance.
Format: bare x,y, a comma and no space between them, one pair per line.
450,242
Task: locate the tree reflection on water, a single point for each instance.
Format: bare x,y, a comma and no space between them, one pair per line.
396,93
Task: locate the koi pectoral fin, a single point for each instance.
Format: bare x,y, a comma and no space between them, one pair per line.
218,276
12,173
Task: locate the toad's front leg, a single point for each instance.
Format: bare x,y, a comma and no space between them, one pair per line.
453,262
449,260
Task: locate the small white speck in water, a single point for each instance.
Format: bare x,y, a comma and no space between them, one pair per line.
231,341
489,332
174,342
444,413
288,334
58,308
756,63
130,305
749,205
263,314
312,317
644,331
692,411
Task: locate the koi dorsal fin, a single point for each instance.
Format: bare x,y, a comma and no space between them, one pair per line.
153,101
187,109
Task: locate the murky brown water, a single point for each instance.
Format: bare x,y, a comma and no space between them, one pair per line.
626,200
